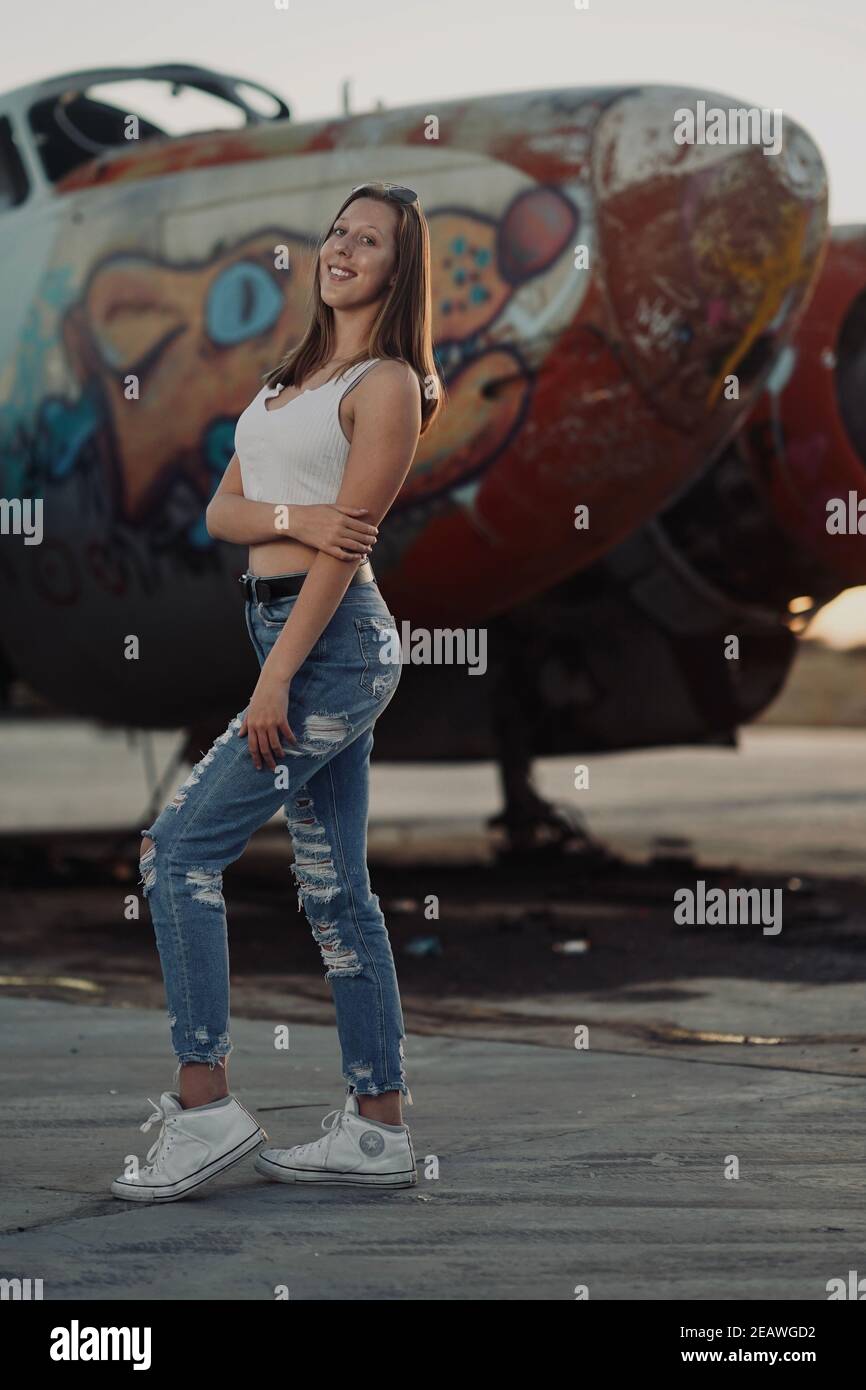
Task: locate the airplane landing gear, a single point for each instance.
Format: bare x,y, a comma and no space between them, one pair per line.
540,830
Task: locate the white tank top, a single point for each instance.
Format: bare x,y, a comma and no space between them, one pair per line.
296,453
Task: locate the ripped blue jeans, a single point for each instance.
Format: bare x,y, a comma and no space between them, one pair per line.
322,782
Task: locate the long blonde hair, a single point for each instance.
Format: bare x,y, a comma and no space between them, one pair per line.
401,330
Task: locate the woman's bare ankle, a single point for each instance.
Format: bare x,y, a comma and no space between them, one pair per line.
200,1084
386,1107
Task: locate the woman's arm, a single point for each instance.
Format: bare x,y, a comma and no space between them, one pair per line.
384,439
232,517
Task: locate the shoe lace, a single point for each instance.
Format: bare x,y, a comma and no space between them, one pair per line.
158,1151
337,1118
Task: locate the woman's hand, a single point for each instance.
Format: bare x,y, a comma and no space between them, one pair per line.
266,719
335,530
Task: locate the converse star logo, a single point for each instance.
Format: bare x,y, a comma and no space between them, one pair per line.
372,1143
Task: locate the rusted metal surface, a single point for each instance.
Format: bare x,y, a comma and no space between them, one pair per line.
806,438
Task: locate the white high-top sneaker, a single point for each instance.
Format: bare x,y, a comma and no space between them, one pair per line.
193,1146
355,1150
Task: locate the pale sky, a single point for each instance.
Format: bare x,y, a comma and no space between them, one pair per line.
807,58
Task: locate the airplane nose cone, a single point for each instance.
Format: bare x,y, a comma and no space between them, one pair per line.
709,248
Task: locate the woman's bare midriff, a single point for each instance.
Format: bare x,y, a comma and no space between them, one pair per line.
281,557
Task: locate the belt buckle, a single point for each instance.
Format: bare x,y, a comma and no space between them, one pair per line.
257,589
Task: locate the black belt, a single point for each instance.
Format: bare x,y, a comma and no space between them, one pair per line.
265,590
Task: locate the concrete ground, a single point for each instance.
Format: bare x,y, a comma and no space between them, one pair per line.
541,1168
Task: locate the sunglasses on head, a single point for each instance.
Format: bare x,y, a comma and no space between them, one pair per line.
397,191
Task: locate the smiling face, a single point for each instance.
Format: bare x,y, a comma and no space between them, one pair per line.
363,245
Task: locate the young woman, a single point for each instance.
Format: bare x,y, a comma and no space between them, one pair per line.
296,492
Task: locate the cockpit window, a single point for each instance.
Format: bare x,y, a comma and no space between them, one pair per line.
72,128
78,123
13,176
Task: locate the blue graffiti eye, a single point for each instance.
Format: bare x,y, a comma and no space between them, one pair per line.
242,302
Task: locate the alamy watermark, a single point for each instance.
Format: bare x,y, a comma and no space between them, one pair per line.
734,907
22,516
739,125
437,646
